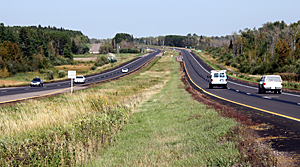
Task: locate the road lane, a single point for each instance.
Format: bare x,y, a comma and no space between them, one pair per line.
283,105
50,87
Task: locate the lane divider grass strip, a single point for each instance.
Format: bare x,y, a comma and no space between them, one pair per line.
241,104
60,91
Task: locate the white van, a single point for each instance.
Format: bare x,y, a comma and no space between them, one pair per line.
270,83
218,78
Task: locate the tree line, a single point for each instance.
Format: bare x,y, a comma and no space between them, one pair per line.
120,43
30,48
272,48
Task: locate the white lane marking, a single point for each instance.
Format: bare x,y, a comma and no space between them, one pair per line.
266,97
199,63
298,104
248,93
242,85
237,83
237,90
117,69
95,76
3,91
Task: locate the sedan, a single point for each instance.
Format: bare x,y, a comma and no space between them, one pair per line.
36,82
79,79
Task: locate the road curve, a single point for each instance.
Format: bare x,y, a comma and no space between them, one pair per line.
15,93
285,105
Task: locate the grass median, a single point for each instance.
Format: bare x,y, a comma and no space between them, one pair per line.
172,129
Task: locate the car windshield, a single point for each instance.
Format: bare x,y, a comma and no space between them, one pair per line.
273,79
216,75
79,77
36,79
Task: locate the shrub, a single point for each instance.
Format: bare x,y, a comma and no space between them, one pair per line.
49,75
41,70
93,67
61,73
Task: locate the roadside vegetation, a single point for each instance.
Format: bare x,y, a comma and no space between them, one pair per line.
81,66
173,129
70,129
148,118
290,80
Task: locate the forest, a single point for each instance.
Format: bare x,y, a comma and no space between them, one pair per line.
270,49
31,48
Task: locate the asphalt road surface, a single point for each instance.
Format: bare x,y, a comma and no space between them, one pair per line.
17,93
281,112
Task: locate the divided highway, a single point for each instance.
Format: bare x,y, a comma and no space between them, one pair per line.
286,105
18,91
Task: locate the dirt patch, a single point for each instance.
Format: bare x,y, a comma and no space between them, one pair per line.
9,82
85,59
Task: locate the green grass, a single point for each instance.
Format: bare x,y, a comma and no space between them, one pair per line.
171,129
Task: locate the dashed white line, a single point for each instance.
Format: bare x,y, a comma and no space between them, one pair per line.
248,93
266,97
237,83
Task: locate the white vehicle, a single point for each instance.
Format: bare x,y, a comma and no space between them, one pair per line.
79,79
270,83
218,78
125,70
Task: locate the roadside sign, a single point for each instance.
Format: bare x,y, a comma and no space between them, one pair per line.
71,74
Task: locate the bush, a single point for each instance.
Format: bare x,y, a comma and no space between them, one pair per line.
61,73
49,75
93,67
41,71
288,76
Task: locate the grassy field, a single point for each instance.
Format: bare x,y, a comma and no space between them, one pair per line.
70,129
171,129
145,119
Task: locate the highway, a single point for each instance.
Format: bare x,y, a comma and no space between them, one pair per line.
286,105
132,66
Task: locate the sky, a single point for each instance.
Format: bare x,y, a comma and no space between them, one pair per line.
143,18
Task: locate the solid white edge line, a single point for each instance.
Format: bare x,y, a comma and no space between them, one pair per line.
237,83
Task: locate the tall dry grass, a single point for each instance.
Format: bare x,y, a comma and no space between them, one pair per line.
70,129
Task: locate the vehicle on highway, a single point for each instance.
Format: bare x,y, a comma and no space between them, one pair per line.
218,78
270,83
79,79
36,82
124,70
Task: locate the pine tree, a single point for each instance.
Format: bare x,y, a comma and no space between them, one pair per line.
74,47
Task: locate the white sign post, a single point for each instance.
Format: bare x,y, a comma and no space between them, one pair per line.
72,75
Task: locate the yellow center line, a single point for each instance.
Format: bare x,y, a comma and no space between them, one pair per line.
245,105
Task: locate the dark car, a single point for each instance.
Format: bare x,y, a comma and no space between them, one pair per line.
36,82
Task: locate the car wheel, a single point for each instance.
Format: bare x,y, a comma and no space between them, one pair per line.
259,90
279,91
225,87
210,86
